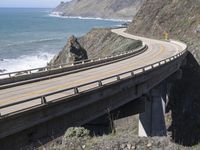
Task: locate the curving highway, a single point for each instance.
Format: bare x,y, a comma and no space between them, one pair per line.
157,50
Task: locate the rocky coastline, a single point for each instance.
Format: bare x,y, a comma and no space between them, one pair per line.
104,9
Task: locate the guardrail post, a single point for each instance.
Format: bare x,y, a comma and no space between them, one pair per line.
9,75
43,100
132,74
143,69
100,83
76,91
118,78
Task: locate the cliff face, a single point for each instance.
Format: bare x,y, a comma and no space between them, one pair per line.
109,9
181,19
97,43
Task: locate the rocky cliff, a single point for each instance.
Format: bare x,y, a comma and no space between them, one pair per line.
72,52
96,43
181,19
109,9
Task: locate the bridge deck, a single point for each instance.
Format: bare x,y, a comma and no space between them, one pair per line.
157,50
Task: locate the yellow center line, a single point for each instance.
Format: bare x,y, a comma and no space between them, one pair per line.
53,80
47,81
48,90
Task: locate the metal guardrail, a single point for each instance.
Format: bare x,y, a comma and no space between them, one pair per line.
132,73
64,65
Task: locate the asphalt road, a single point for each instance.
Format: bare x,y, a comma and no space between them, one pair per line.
157,50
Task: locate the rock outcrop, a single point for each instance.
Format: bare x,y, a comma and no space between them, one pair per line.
109,9
72,52
98,43
181,19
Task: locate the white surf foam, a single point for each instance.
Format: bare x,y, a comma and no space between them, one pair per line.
60,15
25,62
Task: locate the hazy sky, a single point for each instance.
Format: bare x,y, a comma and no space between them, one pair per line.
30,3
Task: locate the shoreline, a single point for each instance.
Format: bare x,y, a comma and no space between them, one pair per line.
60,15
27,59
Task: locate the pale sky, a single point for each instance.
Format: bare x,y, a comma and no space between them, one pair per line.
30,3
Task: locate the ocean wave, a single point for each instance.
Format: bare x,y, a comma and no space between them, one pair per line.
34,41
60,15
25,62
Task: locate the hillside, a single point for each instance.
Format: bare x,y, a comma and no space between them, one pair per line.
181,19
107,9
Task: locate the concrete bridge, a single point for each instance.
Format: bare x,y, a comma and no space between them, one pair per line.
46,101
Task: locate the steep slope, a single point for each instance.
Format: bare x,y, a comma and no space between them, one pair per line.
110,9
181,19
102,43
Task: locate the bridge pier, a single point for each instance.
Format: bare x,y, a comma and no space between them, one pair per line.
152,121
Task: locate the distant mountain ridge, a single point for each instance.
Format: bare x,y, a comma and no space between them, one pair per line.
106,9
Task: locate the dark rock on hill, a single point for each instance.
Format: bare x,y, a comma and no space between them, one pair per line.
181,19
110,9
72,52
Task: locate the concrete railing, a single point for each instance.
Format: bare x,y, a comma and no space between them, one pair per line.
43,73
99,83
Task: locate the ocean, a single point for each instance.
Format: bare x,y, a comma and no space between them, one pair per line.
30,37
